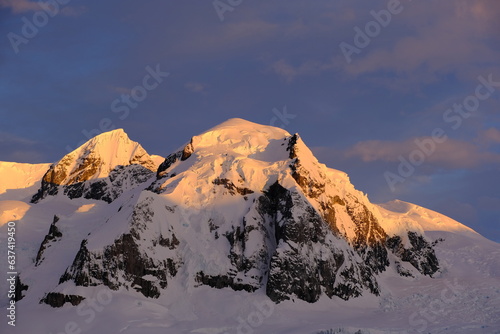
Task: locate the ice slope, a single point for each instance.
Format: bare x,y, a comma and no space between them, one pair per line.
19,181
428,220
15,175
12,210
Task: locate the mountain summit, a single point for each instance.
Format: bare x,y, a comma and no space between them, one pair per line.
102,168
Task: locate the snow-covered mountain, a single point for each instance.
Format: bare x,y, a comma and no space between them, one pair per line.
103,168
240,211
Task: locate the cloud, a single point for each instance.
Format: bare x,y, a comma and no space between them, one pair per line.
289,72
226,38
121,90
489,137
24,6
20,6
195,87
427,41
452,154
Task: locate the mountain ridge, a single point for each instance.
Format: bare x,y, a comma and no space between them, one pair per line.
240,207
287,217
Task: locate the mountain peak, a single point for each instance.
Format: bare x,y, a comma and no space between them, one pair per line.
104,155
105,152
236,137
116,133
245,125
117,137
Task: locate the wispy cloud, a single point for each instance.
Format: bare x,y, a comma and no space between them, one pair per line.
20,6
195,87
290,72
447,37
24,6
489,137
452,154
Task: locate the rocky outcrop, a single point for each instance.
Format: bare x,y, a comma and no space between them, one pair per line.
369,240
181,155
20,287
307,260
126,262
56,299
106,189
231,187
53,236
420,255
223,281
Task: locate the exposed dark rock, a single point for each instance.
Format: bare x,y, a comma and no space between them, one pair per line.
370,237
421,255
183,155
187,151
126,260
53,236
233,189
48,186
402,271
375,256
223,281
57,174
307,262
20,287
107,189
122,259
56,299
437,241
338,200
329,215
310,187
169,161
292,146
170,243
368,230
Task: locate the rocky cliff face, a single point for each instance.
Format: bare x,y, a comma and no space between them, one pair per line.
310,258
131,261
241,206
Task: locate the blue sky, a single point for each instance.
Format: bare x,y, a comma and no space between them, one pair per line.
362,82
